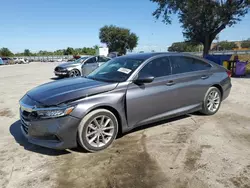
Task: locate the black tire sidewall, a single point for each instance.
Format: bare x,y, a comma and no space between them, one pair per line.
205,108
83,127
74,70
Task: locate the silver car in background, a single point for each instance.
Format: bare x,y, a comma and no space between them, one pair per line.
80,67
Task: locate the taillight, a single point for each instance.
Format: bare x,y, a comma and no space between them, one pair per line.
229,73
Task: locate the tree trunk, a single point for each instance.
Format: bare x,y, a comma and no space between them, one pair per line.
206,46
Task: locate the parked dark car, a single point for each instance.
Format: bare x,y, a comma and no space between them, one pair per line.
124,93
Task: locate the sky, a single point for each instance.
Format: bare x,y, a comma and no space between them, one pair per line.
58,24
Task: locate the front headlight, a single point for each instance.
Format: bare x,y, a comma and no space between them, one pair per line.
62,69
54,112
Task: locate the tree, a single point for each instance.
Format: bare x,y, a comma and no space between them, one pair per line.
88,51
225,45
77,51
183,47
95,47
202,20
59,52
69,51
118,39
5,52
27,52
245,44
44,53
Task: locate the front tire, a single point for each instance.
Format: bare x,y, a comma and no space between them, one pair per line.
212,101
97,130
74,73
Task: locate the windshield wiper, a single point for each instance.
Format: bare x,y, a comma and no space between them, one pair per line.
102,80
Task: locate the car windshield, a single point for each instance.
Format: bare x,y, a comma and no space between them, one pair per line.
115,70
80,60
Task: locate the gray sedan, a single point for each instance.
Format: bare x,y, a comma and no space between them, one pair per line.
80,67
124,93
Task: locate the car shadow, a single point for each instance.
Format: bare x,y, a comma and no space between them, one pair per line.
15,130
247,76
147,126
56,78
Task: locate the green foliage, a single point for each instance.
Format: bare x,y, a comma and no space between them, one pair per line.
225,45
245,44
183,47
5,52
44,53
202,20
95,47
88,51
118,39
59,52
69,51
27,52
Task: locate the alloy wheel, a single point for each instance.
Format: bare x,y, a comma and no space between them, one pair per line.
213,101
100,131
74,73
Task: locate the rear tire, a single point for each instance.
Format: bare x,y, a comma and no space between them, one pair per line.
212,101
97,130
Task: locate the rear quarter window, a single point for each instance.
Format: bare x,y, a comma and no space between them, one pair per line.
198,65
183,64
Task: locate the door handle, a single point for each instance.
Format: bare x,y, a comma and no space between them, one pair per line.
170,83
205,77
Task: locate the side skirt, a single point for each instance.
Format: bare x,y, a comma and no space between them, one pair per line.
168,115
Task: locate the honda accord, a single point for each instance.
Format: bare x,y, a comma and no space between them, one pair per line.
124,93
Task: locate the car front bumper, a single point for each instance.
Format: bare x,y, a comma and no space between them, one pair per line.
61,73
57,133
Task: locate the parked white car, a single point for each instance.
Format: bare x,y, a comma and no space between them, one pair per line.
16,60
23,61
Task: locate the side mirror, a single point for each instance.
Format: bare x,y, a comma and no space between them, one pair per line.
144,78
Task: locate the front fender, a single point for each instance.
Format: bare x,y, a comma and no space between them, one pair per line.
112,99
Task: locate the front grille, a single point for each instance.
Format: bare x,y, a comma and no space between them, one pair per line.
25,113
59,69
29,115
25,125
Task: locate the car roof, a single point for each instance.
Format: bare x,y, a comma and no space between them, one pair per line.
145,56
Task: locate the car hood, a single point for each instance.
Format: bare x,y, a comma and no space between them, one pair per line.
57,92
69,64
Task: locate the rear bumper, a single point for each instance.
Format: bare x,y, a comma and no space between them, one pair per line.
226,86
58,133
226,93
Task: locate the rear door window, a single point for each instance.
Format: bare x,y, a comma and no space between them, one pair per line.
182,64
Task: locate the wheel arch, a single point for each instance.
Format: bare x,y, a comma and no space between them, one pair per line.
220,88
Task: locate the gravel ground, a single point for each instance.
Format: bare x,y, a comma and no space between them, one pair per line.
190,151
